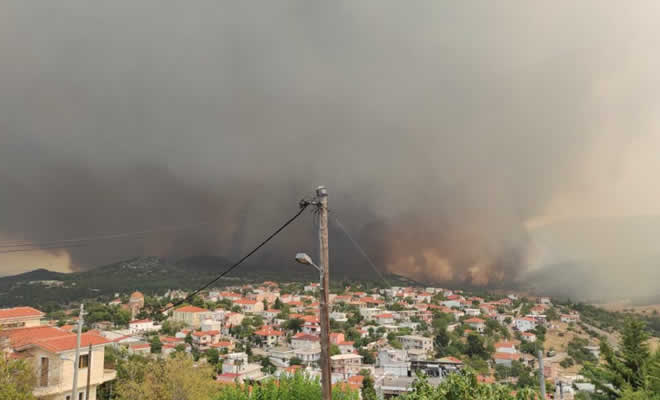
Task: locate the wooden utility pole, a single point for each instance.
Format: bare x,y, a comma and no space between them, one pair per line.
74,390
89,371
324,258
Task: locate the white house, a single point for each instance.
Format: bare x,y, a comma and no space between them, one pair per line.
525,324
472,312
51,352
568,318
506,347
338,316
142,326
303,340
477,324
308,355
346,347
312,287
384,318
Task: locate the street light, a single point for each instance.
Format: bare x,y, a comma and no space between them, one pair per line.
305,259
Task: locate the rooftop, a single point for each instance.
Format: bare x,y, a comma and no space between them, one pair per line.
19,312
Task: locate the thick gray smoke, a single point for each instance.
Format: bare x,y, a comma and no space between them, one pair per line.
441,129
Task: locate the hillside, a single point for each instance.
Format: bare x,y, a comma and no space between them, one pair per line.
147,274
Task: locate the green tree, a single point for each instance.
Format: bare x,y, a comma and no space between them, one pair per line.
17,379
156,345
278,304
212,356
172,378
297,387
465,386
441,341
475,347
367,356
368,390
631,370
294,324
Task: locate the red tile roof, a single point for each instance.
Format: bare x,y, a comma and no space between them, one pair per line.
474,321
304,336
191,309
268,331
69,343
140,321
245,301
51,339
506,356
19,312
205,333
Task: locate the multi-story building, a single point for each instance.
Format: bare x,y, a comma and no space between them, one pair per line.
346,364
236,368
191,316
51,352
303,340
416,342
525,324
203,339
249,306
269,336
20,317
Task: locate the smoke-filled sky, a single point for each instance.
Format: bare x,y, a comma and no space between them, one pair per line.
446,132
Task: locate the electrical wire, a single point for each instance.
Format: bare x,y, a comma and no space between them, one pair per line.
303,206
67,242
358,247
43,248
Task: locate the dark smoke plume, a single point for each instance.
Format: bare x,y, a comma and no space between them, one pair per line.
440,129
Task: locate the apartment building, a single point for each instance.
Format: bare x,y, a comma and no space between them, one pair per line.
191,316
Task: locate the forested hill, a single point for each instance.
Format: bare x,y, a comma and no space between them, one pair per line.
150,275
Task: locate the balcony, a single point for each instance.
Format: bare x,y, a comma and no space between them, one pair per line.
55,386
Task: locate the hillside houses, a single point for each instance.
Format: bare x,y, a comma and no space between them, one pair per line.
391,332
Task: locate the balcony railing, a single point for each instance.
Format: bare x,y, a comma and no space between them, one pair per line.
55,384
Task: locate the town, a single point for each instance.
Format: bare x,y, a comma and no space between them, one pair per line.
381,337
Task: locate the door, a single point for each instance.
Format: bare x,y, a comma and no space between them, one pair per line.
43,381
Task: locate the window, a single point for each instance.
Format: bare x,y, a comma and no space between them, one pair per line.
83,361
81,396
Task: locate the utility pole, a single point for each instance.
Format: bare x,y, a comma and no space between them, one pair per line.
74,390
89,371
541,375
326,377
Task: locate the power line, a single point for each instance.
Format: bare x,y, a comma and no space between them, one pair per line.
66,242
358,247
303,206
42,248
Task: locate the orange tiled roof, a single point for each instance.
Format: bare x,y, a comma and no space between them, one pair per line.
204,333
19,312
51,339
506,356
191,309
